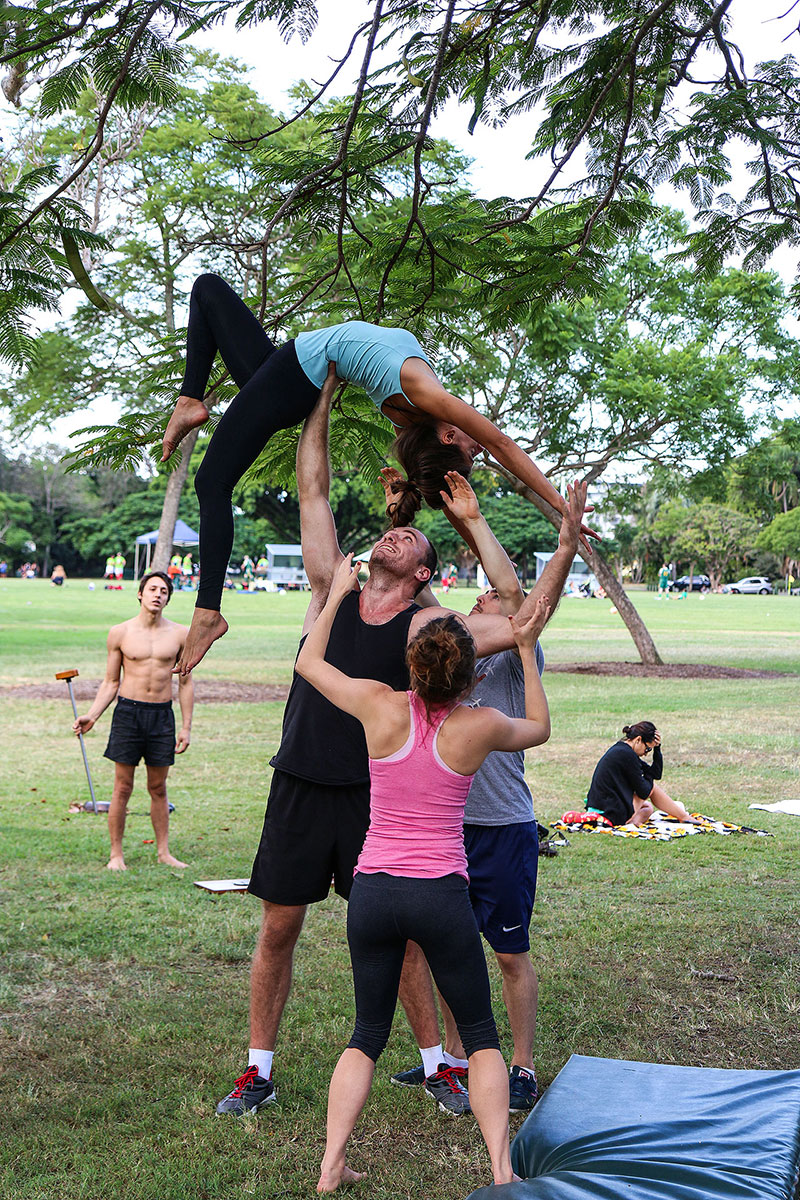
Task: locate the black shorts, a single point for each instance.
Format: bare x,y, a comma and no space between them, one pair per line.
142,729
313,833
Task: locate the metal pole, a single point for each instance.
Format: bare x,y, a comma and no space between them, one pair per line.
69,676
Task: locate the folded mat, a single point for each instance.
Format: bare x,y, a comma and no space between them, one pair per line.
607,1129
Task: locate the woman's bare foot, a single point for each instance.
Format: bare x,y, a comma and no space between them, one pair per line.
188,414
116,863
170,860
207,626
330,1178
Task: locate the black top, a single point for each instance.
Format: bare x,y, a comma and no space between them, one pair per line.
319,741
619,775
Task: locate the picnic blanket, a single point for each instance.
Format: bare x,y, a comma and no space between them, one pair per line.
660,827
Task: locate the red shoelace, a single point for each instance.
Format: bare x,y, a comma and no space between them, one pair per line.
451,1074
244,1082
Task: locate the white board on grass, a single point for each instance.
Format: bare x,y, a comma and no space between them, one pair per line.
222,885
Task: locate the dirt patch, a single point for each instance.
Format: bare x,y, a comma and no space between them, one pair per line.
227,691
206,691
665,671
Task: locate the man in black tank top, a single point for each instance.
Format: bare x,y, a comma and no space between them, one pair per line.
318,806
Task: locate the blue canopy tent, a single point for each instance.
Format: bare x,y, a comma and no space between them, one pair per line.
183,536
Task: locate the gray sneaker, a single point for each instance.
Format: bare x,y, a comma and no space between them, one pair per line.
250,1093
446,1088
413,1077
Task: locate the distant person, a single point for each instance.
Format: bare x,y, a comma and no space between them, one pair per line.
58,576
187,567
175,567
247,568
144,649
624,788
119,566
663,581
108,573
262,566
3,568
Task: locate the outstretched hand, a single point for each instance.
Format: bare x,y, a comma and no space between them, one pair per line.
460,501
573,529
345,580
388,476
526,633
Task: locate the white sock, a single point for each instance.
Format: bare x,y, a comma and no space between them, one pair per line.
432,1056
261,1059
455,1062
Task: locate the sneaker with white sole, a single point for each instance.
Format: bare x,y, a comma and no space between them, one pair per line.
413,1077
250,1093
447,1089
523,1090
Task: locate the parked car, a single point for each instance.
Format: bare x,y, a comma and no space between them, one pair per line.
697,583
753,583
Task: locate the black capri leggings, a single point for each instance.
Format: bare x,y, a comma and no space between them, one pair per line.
385,912
275,393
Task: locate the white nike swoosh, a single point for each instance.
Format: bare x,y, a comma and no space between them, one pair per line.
510,928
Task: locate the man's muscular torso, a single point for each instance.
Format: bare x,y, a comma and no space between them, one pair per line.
148,656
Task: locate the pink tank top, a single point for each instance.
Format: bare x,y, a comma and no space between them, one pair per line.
416,826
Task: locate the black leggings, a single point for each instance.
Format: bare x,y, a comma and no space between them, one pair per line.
275,393
385,912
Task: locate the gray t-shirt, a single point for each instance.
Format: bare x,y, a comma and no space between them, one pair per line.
499,794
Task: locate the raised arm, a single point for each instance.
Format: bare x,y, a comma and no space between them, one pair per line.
108,689
428,394
463,512
321,553
359,697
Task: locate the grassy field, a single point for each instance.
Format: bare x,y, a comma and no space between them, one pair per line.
123,999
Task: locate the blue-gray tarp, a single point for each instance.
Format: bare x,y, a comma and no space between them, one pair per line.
607,1129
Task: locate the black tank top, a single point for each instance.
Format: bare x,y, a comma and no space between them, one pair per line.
320,742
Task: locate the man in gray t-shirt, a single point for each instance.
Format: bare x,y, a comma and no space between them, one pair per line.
502,847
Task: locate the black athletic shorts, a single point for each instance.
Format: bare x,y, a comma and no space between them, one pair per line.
141,729
313,833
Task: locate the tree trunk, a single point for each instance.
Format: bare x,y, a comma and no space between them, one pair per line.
169,512
615,591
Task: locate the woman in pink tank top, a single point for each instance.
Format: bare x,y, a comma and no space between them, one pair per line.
410,884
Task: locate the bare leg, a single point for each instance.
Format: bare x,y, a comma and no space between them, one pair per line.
188,414
642,811
520,995
488,1095
117,811
452,1038
159,814
271,972
208,625
347,1096
416,997
668,805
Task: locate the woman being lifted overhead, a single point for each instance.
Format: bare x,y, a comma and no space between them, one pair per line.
279,387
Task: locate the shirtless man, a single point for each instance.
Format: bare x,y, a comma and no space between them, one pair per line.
145,650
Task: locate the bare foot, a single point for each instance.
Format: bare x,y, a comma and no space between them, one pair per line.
330,1179
207,625
170,860
116,863
188,414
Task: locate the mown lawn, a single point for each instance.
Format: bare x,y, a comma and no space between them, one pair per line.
123,999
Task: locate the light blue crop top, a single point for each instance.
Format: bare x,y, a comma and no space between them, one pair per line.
368,355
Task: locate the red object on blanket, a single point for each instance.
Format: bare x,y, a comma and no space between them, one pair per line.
584,818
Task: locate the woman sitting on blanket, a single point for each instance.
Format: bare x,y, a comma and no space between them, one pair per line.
624,788
424,747
279,387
